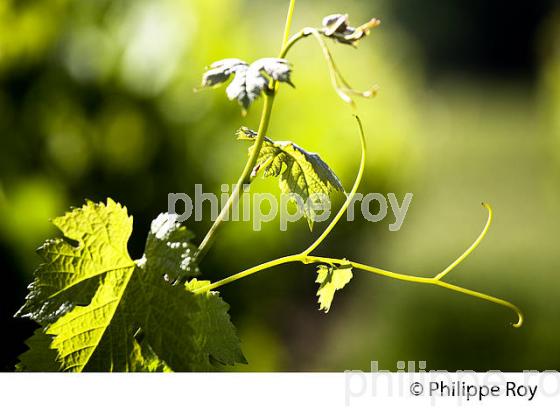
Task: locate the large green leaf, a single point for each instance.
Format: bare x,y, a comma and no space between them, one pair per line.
300,172
102,311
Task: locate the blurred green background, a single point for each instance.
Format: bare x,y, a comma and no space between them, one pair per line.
96,101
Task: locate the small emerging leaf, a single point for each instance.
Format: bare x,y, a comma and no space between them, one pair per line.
250,81
331,279
246,87
337,27
276,68
300,172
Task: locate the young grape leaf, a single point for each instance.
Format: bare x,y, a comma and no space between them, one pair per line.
331,279
300,172
278,69
249,81
246,87
102,311
337,27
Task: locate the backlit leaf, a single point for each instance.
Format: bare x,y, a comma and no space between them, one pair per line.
331,279
102,311
299,171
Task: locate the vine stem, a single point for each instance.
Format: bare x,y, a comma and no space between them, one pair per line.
288,25
245,176
305,257
435,280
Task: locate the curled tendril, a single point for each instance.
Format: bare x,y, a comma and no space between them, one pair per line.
339,83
